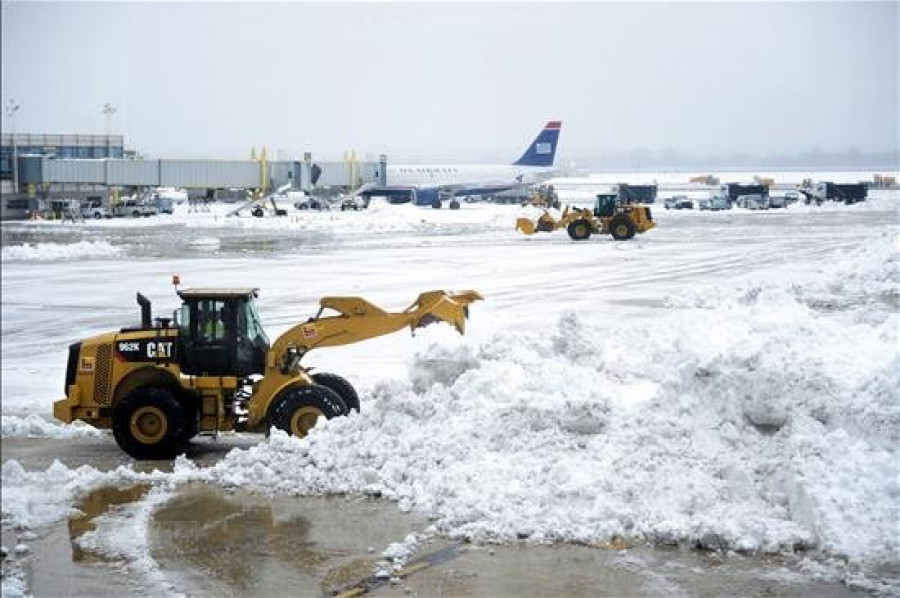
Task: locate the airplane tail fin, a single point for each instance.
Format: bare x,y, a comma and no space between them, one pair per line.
542,150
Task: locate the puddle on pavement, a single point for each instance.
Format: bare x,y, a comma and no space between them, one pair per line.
99,502
213,541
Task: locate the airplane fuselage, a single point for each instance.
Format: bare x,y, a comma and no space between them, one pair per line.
425,175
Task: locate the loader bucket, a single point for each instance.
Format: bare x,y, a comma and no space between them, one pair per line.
525,225
438,306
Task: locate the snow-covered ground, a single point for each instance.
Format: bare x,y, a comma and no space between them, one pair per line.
729,379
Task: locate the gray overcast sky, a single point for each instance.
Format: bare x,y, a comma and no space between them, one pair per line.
457,81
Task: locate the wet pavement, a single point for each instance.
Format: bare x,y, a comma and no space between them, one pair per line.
218,542
102,453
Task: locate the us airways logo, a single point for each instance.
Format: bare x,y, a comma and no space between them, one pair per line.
543,147
145,350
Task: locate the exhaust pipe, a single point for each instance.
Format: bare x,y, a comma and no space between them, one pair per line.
146,317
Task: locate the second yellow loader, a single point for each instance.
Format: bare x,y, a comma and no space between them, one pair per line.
608,216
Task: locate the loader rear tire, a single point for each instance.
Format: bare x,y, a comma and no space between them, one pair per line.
621,228
149,424
579,230
297,409
341,386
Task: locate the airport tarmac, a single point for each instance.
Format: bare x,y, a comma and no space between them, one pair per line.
236,538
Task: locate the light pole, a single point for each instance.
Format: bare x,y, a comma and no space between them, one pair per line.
307,162
11,108
108,110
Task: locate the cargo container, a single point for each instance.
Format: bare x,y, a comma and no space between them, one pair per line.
848,193
636,193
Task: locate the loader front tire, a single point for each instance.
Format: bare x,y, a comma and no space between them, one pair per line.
297,409
341,386
579,230
149,424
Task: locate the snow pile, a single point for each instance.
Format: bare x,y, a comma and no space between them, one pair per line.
48,252
34,426
767,436
864,284
34,499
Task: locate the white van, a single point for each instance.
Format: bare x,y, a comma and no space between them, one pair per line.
754,201
134,208
93,207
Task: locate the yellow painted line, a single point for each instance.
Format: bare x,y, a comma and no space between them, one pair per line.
352,593
412,569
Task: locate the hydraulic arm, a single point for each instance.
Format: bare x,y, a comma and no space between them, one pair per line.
358,320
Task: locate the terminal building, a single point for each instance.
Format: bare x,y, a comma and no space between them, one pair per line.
37,171
61,146
19,201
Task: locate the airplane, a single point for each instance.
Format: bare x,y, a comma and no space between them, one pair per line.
428,185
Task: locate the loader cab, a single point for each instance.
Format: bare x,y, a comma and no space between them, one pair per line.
220,333
605,206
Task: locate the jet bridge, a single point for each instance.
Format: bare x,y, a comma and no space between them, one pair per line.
42,171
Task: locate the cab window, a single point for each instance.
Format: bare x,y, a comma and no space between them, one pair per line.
254,327
211,321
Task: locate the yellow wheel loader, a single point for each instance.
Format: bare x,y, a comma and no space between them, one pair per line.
543,197
211,368
608,217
